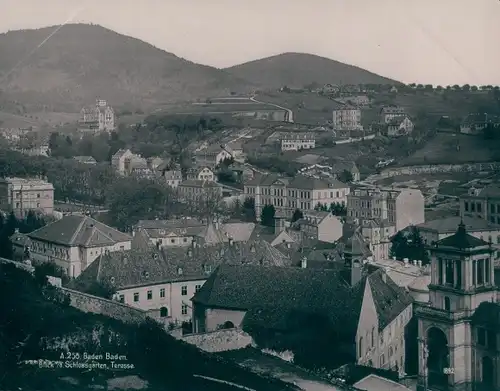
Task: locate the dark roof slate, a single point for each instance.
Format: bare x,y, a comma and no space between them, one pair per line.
77,230
461,240
147,265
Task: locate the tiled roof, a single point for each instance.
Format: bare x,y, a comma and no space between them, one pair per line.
76,230
308,183
271,295
356,245
169,224
450,224
492,191
198,183
172,174
146,265
461,240
239,232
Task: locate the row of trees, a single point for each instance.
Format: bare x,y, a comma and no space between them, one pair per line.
409,244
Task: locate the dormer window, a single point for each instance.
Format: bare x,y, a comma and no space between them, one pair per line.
207,268
179,271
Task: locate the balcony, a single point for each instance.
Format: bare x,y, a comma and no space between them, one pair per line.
431,312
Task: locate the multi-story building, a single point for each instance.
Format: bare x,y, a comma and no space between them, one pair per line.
347,118
322,226
179,232
213,155
371,333
476,123
378,234
390,112
482,203
195,190
399,126
287,195
119,160
201,174
99,117
435,230
163,282
73,242
458,332
24,194
173,178
297,141
400,207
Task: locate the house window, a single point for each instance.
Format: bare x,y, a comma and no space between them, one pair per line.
38,195
184,309
150,295
373,336
382,360
122,299
360,353
163,312
492,339
172,240
197,288
185,240
449,272
122,247
390,352
136,296
480,272
162,292
184,290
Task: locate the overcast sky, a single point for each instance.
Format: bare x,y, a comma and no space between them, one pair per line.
424,41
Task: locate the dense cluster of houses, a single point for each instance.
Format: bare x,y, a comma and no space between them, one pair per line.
215,274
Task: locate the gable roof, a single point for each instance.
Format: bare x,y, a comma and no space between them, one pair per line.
147,265
239,231
310,183
77,230
492,191
461,240
271,294
450,224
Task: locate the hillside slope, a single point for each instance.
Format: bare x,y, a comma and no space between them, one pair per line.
81,62
299,69
39,325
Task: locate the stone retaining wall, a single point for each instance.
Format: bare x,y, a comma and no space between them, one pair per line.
220,340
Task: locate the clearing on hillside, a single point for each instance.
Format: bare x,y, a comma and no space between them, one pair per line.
451,148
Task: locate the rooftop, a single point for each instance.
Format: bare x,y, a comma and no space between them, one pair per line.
377,383
16,181
271,295
461,240
77,230
450,224
199,183
146,265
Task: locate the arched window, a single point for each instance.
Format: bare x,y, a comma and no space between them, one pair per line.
360,353
390,351
447,304
163,312
373,336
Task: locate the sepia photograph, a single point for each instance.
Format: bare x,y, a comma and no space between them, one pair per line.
249,195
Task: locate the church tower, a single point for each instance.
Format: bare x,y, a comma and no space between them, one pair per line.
462,277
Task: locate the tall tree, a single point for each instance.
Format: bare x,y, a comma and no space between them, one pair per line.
297,215
267,215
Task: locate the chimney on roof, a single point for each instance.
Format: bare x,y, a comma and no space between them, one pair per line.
419,263
303,263
230,240
414,262
16,230
405,261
